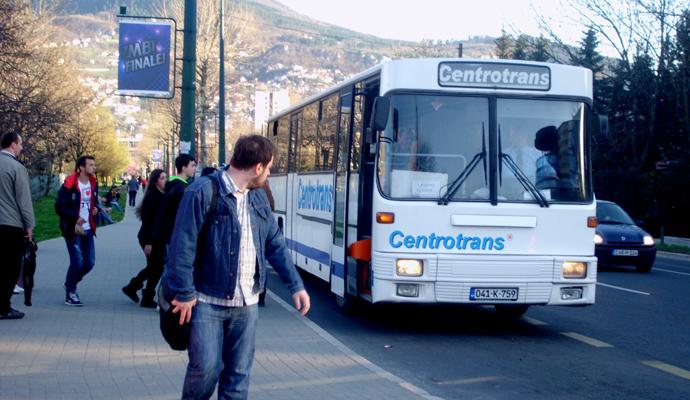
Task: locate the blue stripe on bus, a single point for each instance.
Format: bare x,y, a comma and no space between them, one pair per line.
337,269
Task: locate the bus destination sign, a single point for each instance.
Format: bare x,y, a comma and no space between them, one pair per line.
494,76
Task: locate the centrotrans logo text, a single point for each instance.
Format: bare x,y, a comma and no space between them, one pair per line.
399,239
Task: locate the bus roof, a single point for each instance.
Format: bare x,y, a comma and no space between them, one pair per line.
437,75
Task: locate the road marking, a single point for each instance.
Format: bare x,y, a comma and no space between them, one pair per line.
623,289
673,370
586,339
673,272
533,321
469,380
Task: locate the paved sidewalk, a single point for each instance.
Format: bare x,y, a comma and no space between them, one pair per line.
112,349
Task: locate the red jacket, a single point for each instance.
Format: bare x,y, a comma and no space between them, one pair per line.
68,203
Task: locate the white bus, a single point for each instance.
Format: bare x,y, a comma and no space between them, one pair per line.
443,181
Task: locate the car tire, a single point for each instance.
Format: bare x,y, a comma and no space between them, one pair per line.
511,310
643,267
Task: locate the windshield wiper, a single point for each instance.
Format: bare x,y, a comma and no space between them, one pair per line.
520,175
457,182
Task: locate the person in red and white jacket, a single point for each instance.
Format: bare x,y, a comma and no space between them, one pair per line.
77,205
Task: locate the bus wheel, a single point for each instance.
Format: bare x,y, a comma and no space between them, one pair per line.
347,303
511,310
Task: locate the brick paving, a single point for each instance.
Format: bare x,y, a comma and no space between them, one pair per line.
112,348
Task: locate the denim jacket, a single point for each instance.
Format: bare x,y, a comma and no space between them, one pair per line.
213,269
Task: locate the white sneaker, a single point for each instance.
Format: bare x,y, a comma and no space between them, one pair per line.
18,289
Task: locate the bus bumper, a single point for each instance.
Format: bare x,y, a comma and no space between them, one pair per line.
499,280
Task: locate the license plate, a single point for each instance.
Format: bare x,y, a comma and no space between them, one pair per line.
625,252
498,294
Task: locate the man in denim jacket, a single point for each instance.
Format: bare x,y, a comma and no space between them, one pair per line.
216,270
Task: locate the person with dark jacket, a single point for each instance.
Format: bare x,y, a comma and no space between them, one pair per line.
16,219
154,254
174,188
77,205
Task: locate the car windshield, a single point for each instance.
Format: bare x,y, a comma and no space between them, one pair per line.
438,147
611,213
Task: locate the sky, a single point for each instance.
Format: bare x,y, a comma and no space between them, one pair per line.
440,19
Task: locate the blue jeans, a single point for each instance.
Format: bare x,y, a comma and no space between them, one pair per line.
82,257
116,206
221,350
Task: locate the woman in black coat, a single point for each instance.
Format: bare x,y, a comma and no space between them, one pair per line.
154,253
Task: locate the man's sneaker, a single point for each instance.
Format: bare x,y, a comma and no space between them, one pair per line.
12,314
18,289
72,299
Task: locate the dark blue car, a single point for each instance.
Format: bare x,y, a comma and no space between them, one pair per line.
619,241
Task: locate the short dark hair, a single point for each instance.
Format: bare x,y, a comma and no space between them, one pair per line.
207,171
81,161
182,161
251,150
8,138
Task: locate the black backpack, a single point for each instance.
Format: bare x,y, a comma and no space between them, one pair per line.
176,335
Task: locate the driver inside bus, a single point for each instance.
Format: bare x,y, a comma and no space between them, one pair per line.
405,148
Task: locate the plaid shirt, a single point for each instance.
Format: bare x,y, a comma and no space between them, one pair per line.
247,292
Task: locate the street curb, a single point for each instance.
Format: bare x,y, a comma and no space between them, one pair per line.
351,354
675,256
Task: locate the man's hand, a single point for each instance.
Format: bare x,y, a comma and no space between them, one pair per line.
185,310
147,250
29,233
302,302
81,221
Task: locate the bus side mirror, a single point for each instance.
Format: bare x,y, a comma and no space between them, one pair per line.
379,115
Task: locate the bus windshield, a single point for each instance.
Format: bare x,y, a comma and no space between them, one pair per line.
437,147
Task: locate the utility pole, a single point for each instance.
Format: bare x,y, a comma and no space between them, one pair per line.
187,109
221,89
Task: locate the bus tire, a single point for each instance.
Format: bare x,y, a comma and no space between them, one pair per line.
643,267
511,310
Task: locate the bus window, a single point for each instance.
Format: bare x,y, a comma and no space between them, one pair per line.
281,143
327,130
308,160
357,134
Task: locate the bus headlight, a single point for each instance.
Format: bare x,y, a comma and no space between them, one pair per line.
598,239
574,269
408,267
648,240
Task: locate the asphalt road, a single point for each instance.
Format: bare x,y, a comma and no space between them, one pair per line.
634,343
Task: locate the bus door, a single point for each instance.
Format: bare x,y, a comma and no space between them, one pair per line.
340,284
295,126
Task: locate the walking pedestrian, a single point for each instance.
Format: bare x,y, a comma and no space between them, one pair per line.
77,205
174,188
133,187
16,219
151,274
218,260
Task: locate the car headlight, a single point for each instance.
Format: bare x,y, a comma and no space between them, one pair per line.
574,269
648,240
598,239
408,267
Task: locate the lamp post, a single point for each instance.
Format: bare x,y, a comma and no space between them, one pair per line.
221,89
187,109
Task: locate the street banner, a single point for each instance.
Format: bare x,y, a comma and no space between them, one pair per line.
157,155
145,58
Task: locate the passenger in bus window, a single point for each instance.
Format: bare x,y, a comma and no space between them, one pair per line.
524,154
546,140
405,149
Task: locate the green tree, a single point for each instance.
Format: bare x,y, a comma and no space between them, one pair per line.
521,48
504,46
540,50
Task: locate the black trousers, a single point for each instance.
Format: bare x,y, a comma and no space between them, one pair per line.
151,273
11,250
132,198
